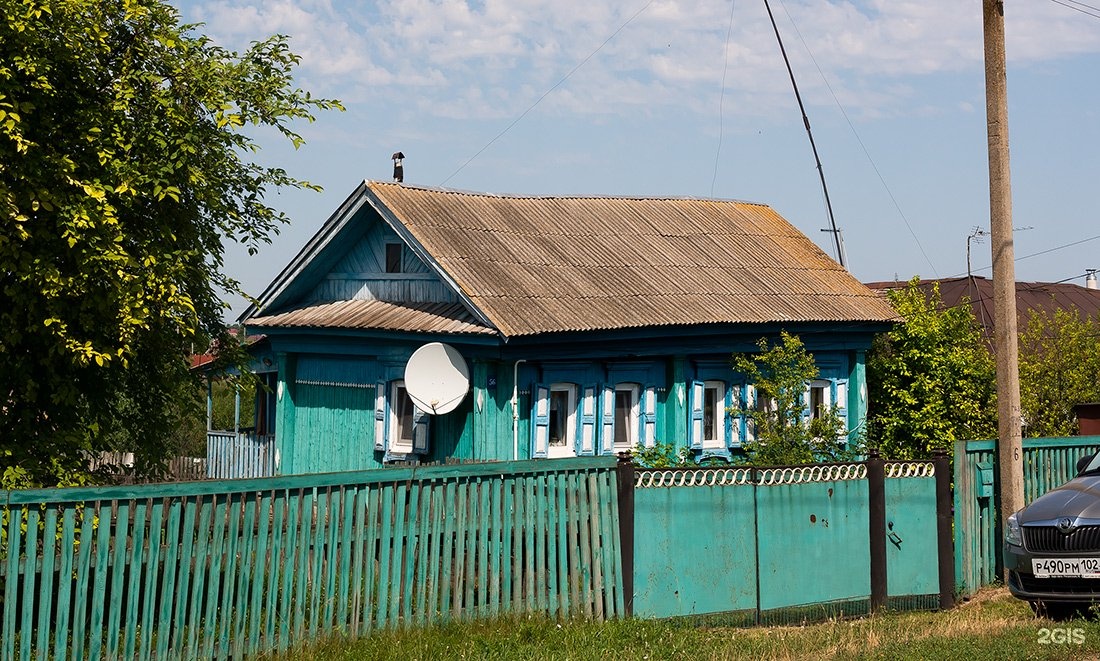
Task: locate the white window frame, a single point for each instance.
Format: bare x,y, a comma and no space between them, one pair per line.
397,443
570,447
825,387
632,435
719,441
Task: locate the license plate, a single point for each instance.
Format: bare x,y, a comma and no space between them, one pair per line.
1071,567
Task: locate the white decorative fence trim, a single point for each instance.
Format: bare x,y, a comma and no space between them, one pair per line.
910,469
700,477
805,474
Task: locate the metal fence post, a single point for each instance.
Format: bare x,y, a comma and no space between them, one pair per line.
625,478
876,494
946,542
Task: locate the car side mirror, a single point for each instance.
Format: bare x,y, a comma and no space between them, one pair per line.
1084,461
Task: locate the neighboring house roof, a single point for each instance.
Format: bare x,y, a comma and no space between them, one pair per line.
446,318
1038,296
527,265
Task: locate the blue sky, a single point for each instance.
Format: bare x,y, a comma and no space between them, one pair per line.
654,100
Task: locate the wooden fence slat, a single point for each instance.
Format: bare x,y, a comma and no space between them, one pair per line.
287,566
469,575
168,574
301,591
242,601
263,578
407,551
134,580
203,534
446,565
496,523
46,591
361,533
385,557
84,570
62,619
316,559
562,487
11,584
347,543
458,564
185,566
30,596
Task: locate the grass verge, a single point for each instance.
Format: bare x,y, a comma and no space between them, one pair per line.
991,626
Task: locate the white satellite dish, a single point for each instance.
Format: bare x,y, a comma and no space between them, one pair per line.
437,378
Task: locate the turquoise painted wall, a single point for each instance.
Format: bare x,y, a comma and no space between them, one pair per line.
325,418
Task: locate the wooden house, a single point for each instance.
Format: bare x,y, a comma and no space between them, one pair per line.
589,325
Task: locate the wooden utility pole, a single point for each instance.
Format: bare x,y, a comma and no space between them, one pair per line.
1010,483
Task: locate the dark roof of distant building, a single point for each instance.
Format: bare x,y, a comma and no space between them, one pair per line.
1038,296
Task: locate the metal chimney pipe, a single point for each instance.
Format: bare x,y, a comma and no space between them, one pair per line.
1090,279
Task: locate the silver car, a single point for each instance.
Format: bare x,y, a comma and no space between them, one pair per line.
1052,546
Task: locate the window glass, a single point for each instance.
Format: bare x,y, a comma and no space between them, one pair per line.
819,398
714,413
559,418
402,408
393,257
626,415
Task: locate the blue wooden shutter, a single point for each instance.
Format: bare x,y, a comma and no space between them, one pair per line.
540,420
586,437
421,419
840,401
648,426
380,416
750,407
807,414
695,407
733,425
607,420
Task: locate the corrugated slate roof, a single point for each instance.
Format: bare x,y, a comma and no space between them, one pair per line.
535,265
445,318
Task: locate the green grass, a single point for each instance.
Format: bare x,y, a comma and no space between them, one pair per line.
992,626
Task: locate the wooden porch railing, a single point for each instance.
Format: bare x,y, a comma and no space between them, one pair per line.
232,455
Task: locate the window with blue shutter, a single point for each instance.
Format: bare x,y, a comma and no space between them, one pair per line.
540,421
380,416
607,420
649,417
695,411
586,442
840,398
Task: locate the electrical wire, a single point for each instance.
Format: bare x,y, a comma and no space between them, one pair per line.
547,92
722,97
1083,8
1035,254
862,146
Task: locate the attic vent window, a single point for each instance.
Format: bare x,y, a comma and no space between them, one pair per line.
394,255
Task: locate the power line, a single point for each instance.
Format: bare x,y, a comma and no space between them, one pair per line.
722,97
1082,7
862,146
1036,254
547,92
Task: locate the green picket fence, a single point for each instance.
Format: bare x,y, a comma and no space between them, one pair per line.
1048,462
234,568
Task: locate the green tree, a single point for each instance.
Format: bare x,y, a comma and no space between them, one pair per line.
1059,368
783,435
124,165
931,380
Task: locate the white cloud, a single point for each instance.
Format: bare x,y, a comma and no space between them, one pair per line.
489,58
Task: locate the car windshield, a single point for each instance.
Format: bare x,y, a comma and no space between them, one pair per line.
1094,464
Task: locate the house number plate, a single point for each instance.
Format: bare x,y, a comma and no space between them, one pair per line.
1079,567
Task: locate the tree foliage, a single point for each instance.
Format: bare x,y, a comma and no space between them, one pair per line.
1059,368
783,434
931,380
124,165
